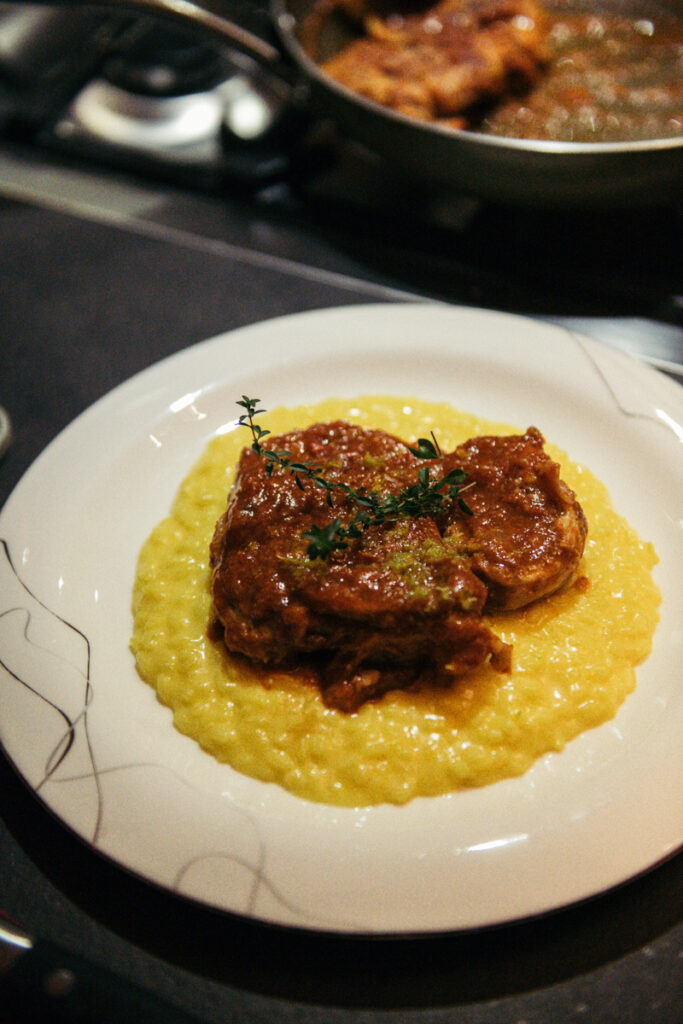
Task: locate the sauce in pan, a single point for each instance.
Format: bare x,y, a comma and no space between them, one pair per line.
610,79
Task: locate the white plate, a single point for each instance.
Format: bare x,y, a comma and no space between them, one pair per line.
101,752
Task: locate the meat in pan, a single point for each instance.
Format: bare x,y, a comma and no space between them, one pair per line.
402,604
441,61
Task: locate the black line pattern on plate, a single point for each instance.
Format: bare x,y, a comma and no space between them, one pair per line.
40,651
634,414
260,884
75,717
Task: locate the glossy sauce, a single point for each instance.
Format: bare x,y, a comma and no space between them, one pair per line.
574,653
610,79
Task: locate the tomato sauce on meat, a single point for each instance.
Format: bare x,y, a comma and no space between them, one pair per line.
527,530
403,602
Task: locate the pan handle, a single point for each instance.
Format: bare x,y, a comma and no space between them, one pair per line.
206,19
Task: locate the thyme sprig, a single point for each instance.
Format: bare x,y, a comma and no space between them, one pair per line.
426,497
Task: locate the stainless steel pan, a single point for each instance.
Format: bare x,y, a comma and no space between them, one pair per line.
517,171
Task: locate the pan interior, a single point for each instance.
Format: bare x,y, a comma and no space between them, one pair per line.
322,29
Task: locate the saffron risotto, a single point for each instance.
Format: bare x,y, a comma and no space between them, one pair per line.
574,653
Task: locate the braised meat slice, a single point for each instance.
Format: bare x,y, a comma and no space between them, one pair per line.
403,602
527,532
442,61
399,605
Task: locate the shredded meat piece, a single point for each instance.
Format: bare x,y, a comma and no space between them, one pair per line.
440,62
402,604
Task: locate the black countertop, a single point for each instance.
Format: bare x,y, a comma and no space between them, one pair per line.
100,276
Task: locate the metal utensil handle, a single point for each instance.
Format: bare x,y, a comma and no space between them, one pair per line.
199,16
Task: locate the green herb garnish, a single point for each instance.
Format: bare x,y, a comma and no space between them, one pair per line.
427,497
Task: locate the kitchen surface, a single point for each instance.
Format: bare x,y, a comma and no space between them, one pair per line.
138,217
